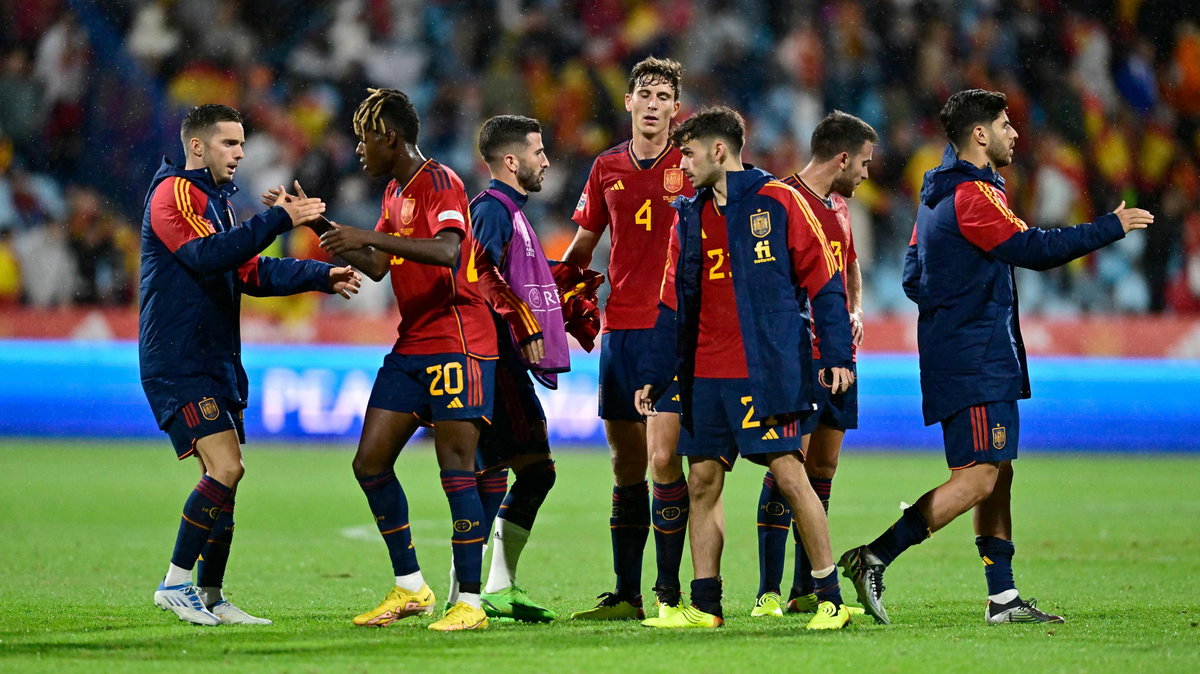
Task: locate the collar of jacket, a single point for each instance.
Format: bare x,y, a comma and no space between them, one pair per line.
941,181
738,185
201,177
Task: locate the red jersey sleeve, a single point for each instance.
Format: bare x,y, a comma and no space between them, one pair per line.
248,272
176,213
591,212
813,259
447,209
983,215
666,292
912,241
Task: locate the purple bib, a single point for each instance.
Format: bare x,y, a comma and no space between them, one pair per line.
525,269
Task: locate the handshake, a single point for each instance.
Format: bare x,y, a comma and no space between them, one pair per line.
305,210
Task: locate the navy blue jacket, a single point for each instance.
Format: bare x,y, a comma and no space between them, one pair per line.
197,260
780,262
959,269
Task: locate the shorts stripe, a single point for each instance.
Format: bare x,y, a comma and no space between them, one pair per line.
975,428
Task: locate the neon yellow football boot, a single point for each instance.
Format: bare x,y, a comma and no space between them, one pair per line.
461,616
829,617
399,603
687,617
769,605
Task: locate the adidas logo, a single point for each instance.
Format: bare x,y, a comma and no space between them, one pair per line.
770,435
617,186
455,404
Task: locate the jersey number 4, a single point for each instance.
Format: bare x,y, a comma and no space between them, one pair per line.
643,215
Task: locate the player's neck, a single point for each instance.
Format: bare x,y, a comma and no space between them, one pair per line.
818,178
976,156
649,147
407,164
510,179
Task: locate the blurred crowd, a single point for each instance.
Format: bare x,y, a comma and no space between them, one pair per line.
1105,96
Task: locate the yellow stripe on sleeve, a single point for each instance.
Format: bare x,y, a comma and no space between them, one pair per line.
991,196
183,199
815,225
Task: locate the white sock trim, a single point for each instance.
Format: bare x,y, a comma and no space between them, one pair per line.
823,573
509,541
1004,597
410,582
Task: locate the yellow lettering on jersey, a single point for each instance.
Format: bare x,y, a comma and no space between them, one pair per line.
762,252
643,215
713,272
749,421
837,254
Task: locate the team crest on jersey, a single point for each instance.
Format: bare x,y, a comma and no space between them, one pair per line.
208,407
673,179
760,224
999,437
407,209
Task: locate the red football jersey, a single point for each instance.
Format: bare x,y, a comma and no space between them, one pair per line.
835,222
441,309
720,353
635,203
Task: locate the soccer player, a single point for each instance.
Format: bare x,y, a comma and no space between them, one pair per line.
512,147
441,369
841,148
747,257
197,260
629,192
960,271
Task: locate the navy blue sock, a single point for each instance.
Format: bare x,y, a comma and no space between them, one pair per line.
200,513
827,588
802,580
706,595
908,531
669,514
774,514
528,492
997,555
466,511
210,567
630,526
492,489
390,508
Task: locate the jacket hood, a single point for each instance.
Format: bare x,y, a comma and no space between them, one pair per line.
941,181
202,177
738,185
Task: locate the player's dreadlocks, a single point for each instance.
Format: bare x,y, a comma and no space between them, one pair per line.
387,105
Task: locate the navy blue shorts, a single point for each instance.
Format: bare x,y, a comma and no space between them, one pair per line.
619,352
984,433
519,424
436,387
835,411
200,418
724,425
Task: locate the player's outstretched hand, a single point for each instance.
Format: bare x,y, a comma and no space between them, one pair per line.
643,401
302,211
856,327
1133,218
344,281
838,379
342,239
534,351
275,196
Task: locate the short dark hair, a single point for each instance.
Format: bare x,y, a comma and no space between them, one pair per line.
200,122
720,121
840,132
387,105
503,131
652,70
967,109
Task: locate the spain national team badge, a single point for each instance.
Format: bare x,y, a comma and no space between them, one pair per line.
999,437
407,209
208,407
760,224
673,179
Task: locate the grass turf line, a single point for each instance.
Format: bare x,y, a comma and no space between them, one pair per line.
87,530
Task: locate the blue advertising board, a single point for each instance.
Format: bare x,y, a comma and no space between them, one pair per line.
91,389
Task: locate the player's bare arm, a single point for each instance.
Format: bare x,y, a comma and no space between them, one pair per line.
854,291
582,247
1133,218
442,250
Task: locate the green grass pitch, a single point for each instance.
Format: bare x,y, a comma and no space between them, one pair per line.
86,530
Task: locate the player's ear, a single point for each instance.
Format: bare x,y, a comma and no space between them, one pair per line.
196,146
628,102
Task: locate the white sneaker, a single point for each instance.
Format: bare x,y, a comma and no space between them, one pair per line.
232,615
184,601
